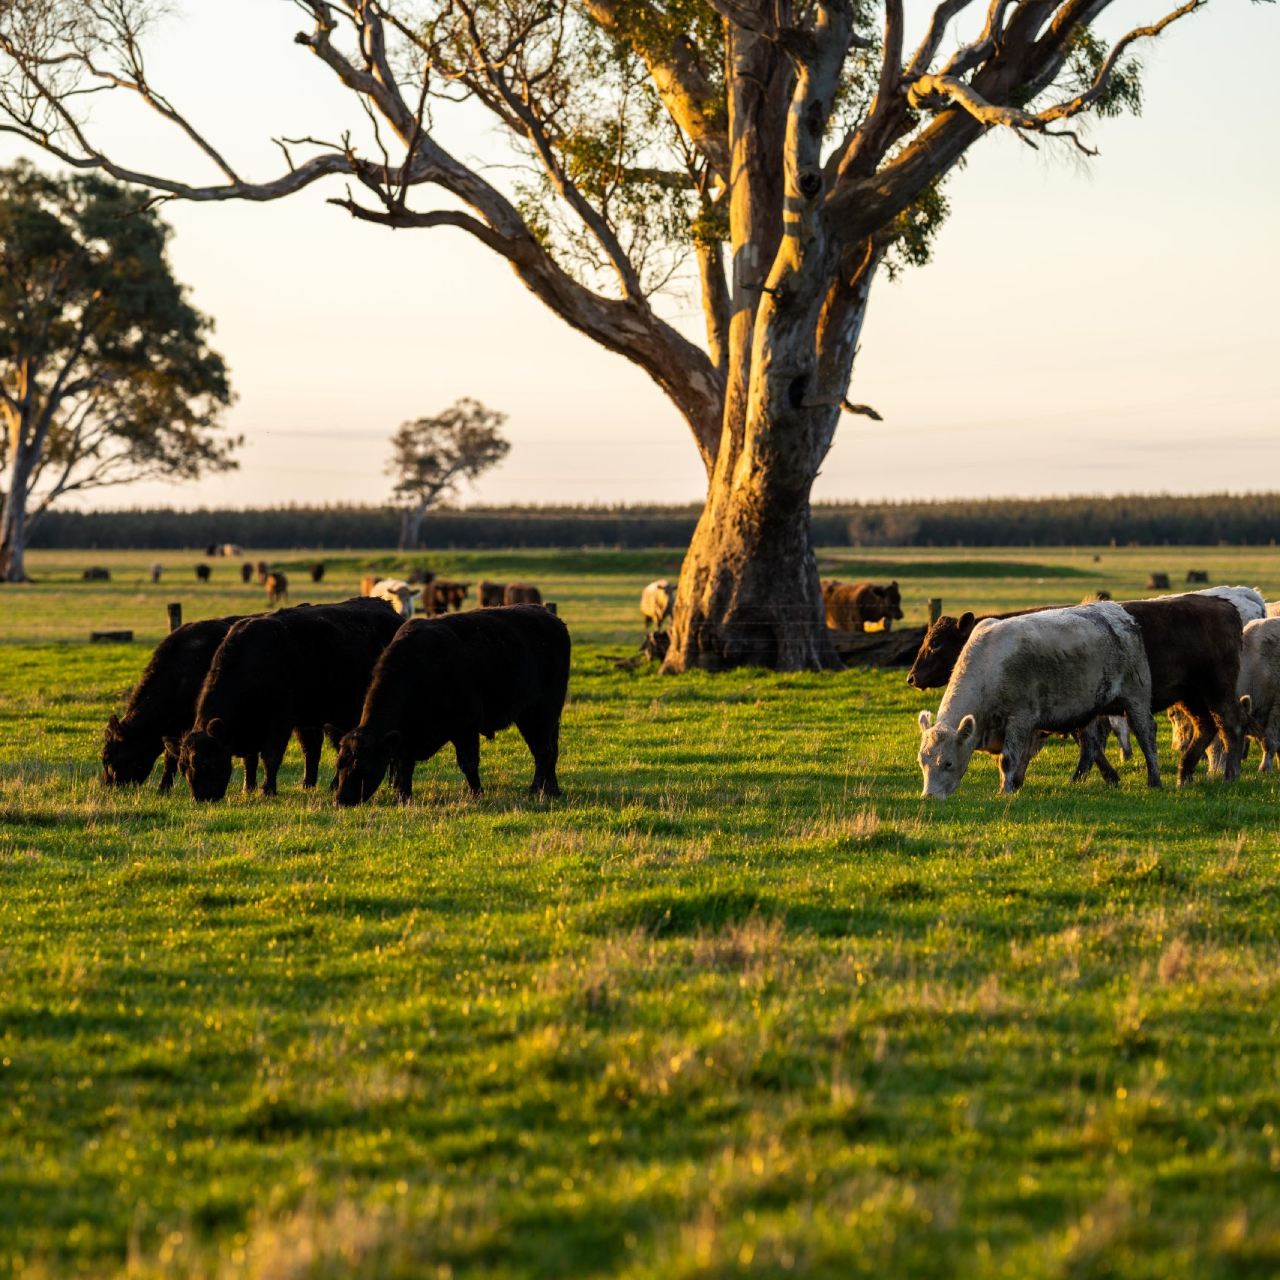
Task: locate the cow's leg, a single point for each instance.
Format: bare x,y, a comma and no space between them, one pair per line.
1092,740
403,778
1120,727
272,757
1015,756
250,773
466,747
1143,726
310,739
170,768
1205,730
541,731
1271,741
888,624
1232,721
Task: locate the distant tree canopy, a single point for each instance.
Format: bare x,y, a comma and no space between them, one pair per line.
106,376
1150,520
431,457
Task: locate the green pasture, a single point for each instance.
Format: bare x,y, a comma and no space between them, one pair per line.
740,1003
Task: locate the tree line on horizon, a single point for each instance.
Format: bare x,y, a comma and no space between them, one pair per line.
1148,520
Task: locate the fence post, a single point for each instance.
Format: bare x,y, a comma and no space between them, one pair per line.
935,609
551,607
175,615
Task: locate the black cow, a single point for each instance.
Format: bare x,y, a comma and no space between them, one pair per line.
163,705
292,671
202,572
451,679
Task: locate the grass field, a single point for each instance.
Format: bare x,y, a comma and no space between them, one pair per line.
740,1003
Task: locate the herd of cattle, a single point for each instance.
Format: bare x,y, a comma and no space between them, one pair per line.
385,690
1211,658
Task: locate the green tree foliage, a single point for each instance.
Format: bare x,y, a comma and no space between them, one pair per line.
106,375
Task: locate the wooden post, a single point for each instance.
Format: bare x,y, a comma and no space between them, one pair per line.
551,607
175,616
935,609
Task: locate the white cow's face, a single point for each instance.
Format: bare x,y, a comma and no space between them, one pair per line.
944,755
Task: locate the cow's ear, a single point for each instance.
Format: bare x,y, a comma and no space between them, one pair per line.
965,729
216,728
966,620
926,721
1246,703
392,740
415,591
172,746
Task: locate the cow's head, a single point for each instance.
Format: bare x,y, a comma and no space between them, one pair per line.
204,759
944,754
940,651
126,757
891,598
364,756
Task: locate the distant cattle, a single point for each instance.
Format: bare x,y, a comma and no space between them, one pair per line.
263,568
447,595
420,577
491,594
202,572
399,595
850,606
163,705
1197,575
277,587
246,573
155,571
1158,582
211,550
368,582
522,593
657,601
288,672
96,573
454,679
231,549
1058,670
317,573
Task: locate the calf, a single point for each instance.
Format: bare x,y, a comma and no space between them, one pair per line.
1259,693
163,705
1058,670
522,593
492,594
399,595
452,679
202,572
851,607
277,587
657,601
288,672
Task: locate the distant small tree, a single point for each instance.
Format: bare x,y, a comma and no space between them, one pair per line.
105,374
431,456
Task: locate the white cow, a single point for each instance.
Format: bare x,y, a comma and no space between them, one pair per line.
1273,609
1259,690
399,595
1248,602
1057,671
657,601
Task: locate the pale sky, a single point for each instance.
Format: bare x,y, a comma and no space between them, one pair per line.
1105,328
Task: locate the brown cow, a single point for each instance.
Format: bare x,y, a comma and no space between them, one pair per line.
263,570
492,594
448,595
277,587
96,574
317,573
368,582
851,606
1158,582
522,593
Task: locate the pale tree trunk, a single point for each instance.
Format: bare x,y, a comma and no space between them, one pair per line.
411,526
13,525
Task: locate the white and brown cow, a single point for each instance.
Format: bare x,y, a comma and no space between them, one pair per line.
657,601
1056,671
399,595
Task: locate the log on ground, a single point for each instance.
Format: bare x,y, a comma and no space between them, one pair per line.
878,648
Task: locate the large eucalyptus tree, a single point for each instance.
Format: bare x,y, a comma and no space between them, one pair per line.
791,149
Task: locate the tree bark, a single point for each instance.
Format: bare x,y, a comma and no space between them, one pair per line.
13,526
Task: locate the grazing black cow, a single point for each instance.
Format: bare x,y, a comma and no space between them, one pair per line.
451,679
246,573
317,573
96,574
163,705
202,572
293,671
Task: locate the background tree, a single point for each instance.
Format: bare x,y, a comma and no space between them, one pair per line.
804,136
105,374
430,457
